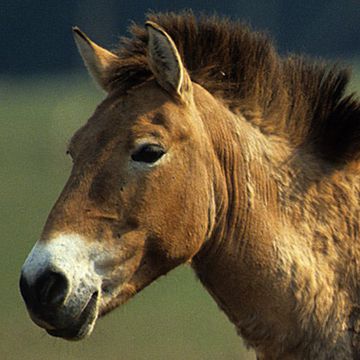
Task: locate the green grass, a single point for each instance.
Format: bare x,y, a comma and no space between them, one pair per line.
174,318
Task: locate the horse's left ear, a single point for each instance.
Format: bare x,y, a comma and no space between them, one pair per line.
165,63
98,60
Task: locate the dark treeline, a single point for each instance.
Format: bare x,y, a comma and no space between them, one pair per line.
36,35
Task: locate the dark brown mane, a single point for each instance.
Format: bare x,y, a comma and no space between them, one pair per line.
301,100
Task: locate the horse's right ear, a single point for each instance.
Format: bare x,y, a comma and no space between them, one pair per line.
98,60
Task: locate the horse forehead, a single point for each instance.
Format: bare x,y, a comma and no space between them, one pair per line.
140,112
146,99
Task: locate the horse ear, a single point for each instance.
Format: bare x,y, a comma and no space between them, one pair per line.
165,62
97,59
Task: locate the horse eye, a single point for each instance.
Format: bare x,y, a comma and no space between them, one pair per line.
148,153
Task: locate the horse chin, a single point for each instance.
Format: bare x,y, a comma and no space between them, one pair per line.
126,292
83,324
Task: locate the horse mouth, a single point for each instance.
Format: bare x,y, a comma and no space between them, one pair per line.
83,324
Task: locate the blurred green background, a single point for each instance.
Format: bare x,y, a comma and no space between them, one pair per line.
174,318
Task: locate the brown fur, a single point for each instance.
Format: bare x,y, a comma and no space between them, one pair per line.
260,191
294,97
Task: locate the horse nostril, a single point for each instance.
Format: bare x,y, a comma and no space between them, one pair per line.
51,288
25,290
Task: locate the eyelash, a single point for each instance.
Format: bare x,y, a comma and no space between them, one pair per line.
69,153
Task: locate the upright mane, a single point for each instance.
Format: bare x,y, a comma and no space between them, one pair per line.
293,97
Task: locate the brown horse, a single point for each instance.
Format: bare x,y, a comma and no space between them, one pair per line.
210,149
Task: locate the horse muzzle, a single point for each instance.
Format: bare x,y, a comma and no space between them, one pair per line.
51,306
61,288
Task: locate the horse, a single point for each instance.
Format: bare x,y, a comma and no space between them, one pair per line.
211,149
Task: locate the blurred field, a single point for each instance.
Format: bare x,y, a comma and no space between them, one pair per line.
172,319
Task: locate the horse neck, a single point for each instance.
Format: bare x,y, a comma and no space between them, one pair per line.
272,248
241,264
245,195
